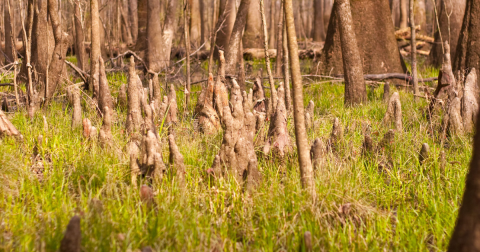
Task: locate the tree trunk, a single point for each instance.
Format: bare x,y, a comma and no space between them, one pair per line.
223,37
421,15
278,63
267,58
414,49
187,52
318,28
195,22
379,55
56,66
355,89
253,28
286,69
466,234
95,50
231,55
395,9
142,14
10,38
306,170
272,24
449,29
79,38
327,12
468,48
403,14
154,34
133,18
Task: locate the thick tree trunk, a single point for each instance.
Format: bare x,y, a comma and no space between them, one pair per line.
154,37
56,66
466,234
306,170
195,22
10,38
355,89
468,48
142,14
379,55
231,55
133,18
95,50
403,14
327,12
318,33
228,8
79,38
450,19
253,28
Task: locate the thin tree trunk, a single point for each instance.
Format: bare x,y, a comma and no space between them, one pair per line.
278,63
414,49
286,68
272,24
95,50
273,91
195,22
403,14
187,50
231,55
306,170
142,14
79,37
154,37
133,17
215,27
355,90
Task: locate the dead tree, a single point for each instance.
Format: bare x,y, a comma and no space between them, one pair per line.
306,170
237,155
394,112
72,238
133,17
278,139
467,227
469,101
355,89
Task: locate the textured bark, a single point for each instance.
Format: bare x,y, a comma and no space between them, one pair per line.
72,238
379,55
318,32
77,108
95,50
395,9
394,112
195,23
278,139
208,119
154,38
176,159
403,14
220,92
150,161
228,19
167,35
327,12
126,27
231,54
134,116
133,18
9,22
449,29
318,152
355,89
306,170
79,38
142,14
470,102
253,36
237,154
453,119
466,233
468,48
273,91
56,66
286,70
104,96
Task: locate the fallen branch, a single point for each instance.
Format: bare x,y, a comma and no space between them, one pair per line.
80,72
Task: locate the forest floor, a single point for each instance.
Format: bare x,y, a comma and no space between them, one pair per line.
407,207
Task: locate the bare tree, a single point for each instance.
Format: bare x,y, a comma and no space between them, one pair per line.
306,170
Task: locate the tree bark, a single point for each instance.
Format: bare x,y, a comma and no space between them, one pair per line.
414,49
327,12
278,61
195,22
379,55
223,37
231,55
79,38
272,24
466,234
9,22
187,50
355,89
286,69
273,91
450,23
95,50
133,17
253,27
142,17
318,26
154,34
403,14
306,170
421,15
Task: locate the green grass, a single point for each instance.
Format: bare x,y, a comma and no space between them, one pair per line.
409,208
